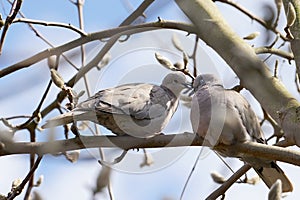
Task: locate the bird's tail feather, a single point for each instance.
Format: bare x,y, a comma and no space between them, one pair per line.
63,119
270,175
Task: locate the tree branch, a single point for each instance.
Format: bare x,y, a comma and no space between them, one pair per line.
16,6
44,23
253,17
19,189
95,36
248,149
295,29
278,52
225,186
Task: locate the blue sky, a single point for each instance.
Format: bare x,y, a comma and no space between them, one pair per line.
131,61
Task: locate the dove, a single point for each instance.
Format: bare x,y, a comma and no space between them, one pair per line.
224,116
136,109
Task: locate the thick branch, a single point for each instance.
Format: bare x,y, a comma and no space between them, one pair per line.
295,29
259,150
161,141
123,142
92,37
241,57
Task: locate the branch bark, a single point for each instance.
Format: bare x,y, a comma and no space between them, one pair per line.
278,52
241,57
45,23
295,29
95,36
248,149
225,186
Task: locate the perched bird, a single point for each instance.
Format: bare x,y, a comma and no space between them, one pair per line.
224,116
137,109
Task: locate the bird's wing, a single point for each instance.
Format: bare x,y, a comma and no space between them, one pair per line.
226,115
201,111
248,117
140,101
230,111
268,171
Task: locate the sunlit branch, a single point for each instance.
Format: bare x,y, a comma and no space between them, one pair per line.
96,36
161,141
45,23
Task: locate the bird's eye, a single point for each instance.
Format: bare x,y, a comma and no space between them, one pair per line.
202,82
175,81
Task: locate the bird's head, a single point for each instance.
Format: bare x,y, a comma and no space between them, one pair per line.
206,79
175,82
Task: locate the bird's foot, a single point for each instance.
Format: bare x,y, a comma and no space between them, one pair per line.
74,130
116,160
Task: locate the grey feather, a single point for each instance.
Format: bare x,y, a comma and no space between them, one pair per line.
138,109
224,116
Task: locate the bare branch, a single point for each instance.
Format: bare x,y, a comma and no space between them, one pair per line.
16,6
45,23
253,17
96,36
225,186
16,191
138,12
278,52
250,149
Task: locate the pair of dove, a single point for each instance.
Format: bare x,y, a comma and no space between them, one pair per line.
143,110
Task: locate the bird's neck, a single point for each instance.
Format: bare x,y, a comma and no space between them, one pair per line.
172,90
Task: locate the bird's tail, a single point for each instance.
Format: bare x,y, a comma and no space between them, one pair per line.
63,119
270,175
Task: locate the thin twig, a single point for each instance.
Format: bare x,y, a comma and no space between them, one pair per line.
37,110
225,186
269,56
194,56
278,52
190,174
17,116
275,74
297,81
16,6
32,131
31,125
138,12
31,179
18,190
253,17
278,132
225,163
96,36
45,23
39,35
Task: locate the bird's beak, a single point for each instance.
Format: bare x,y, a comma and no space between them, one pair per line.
188,85
189,89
